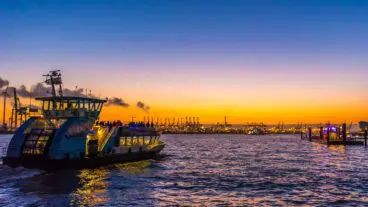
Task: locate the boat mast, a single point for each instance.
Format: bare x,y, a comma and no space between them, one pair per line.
53,78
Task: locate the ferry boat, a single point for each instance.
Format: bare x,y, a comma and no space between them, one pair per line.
67,136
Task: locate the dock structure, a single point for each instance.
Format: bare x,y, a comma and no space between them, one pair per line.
331,135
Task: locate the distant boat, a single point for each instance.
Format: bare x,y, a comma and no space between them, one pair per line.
256,131
363,125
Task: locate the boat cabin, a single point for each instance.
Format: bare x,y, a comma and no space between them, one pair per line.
70,106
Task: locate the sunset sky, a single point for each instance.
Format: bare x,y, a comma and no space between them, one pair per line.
262,60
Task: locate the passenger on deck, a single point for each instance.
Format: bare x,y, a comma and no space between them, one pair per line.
109,124
119,123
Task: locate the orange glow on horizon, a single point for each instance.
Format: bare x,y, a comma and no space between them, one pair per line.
268,103
213,110
211,115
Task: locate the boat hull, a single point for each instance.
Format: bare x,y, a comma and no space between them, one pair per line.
89,162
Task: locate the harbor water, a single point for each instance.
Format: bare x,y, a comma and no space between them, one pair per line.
204,170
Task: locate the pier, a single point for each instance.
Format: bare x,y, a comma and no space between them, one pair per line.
331,135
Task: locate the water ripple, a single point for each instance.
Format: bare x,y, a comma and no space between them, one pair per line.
206,170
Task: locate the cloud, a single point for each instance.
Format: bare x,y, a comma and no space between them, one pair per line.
2,91
117,102
76,92
41,90
3,82
23,92
143,106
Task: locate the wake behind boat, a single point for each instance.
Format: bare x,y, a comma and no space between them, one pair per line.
67,136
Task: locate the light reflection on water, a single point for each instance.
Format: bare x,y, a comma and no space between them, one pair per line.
206,170
92,188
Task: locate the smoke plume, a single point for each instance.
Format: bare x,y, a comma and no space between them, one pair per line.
117,102
23,92
3,83
40,90
76,92
143,106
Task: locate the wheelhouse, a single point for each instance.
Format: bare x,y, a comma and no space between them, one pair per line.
61,108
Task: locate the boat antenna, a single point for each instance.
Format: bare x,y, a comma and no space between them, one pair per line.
75,91
53,78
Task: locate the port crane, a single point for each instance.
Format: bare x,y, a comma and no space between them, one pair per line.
19,113
5,94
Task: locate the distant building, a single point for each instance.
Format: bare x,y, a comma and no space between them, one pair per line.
363,125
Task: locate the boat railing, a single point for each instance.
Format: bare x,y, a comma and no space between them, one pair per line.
139,140
105,138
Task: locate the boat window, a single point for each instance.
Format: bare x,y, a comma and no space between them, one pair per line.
38,124
57,106
99,106
35,142
70,107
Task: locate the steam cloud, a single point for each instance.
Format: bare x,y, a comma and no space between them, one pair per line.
41,90
117,102
76,92
3,83
143,106
23,92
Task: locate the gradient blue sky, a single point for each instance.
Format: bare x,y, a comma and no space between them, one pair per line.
223,50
